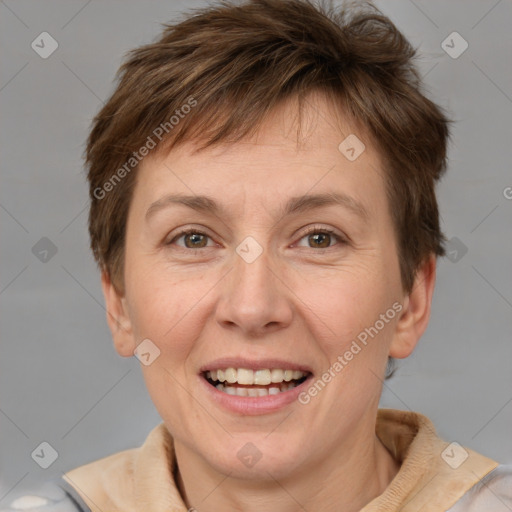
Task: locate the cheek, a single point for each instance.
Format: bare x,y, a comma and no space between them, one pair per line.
169,311
343,304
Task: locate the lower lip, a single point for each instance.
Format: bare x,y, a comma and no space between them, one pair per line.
254,405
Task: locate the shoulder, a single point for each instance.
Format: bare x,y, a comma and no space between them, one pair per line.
493,493
53,496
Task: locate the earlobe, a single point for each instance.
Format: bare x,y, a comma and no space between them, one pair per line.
118,318
415,314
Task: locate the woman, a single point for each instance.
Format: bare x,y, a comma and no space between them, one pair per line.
263,212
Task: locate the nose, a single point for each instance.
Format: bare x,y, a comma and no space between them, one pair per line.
255,298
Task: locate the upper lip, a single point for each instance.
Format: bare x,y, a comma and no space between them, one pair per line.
253,364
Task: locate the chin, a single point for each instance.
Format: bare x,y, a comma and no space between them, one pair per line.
254,457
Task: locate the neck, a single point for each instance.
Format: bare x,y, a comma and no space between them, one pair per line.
346,480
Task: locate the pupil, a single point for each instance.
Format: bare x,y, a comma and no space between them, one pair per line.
195,240
323,238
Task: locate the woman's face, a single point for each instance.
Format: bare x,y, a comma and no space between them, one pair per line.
277,280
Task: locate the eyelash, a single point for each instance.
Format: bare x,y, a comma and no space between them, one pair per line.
312,230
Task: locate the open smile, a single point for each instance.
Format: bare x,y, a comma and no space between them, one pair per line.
253,387
255,383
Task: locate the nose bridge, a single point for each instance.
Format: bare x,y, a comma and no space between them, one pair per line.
252,269
254,299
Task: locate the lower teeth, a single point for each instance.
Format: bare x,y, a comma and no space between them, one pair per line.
255,392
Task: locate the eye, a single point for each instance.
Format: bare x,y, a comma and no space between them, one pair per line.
317,238
192,239
321,238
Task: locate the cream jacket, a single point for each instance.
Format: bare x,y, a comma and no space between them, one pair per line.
434,476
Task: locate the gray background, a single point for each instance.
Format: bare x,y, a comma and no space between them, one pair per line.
60,378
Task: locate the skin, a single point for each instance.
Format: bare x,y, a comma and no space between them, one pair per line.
297,301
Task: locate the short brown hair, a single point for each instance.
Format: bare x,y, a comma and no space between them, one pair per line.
233,64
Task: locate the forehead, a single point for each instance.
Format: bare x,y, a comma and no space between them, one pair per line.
320,152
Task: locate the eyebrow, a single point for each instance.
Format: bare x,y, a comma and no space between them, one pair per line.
294,205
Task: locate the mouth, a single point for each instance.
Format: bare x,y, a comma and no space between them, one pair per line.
245,382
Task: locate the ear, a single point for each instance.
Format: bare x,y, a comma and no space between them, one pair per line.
415,314
118,318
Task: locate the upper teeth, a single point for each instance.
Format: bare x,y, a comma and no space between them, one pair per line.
257,377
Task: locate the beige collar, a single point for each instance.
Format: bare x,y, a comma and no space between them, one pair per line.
430,479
